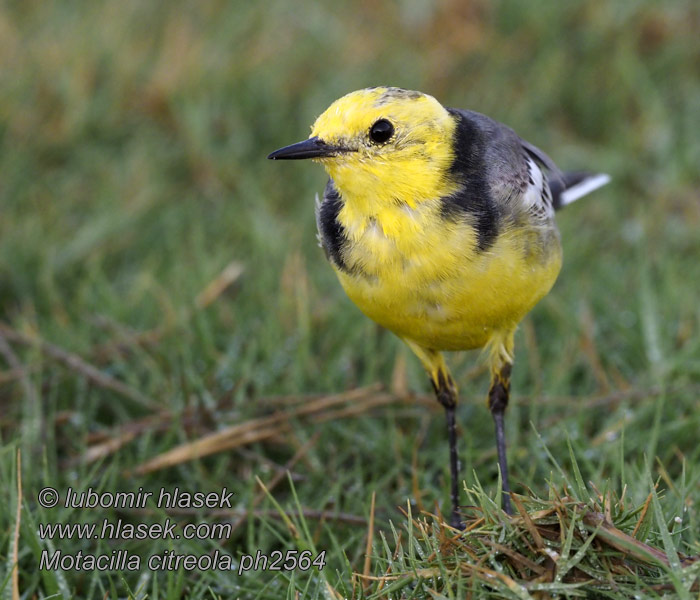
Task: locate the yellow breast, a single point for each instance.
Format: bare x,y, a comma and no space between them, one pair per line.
424,278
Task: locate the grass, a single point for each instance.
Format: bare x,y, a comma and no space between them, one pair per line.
162,294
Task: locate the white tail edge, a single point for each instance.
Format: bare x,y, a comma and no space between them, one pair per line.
584,187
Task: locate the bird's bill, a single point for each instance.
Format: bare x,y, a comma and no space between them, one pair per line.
314,147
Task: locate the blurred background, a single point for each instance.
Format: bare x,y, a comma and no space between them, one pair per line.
154,265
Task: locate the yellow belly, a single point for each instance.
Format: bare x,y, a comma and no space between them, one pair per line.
441,293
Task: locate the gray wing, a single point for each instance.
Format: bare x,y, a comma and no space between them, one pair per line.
516,172
522,176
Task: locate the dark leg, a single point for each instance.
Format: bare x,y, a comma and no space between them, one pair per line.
498,401
446,393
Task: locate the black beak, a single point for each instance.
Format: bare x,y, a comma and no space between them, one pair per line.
312,148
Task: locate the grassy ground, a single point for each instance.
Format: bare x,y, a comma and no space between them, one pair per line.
160,283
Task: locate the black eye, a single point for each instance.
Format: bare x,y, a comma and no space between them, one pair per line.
381,131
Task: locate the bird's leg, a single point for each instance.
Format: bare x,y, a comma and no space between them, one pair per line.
446,393
498,401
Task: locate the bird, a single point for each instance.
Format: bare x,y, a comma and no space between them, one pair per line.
439,224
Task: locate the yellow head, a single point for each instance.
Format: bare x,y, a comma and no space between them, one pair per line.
381,144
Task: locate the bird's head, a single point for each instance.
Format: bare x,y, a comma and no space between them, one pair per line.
384,141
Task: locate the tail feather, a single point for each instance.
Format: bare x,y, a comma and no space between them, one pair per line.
574,185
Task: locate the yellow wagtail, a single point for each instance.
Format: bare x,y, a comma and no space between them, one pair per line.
440,226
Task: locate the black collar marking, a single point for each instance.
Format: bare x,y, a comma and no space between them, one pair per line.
469,169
